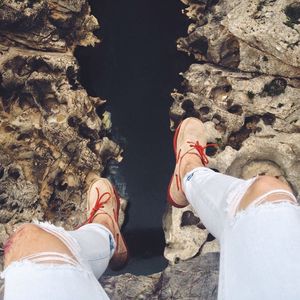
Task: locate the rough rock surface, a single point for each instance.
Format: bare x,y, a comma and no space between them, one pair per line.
189,280
245,86
51,135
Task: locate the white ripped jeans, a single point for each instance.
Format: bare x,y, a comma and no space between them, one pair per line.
36,277
260,246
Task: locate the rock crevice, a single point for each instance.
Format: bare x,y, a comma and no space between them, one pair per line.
51,135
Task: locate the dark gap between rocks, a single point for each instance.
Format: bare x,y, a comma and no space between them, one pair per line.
135,68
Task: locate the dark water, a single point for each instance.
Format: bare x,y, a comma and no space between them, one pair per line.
136,67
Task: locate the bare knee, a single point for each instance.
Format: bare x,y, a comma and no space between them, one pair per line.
263,185
24,235
21,234
30,239
268,183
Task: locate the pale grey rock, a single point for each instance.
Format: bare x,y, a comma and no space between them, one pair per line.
182,234
192,279
129,286
246,89
211,247
258,36
266,25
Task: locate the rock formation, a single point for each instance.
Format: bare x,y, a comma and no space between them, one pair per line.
245,86
51,135
188,280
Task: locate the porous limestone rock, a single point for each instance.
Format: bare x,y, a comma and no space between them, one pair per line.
245,86
185,235
259,36
192,279
51,136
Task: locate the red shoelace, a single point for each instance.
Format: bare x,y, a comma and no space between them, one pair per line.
201,150
98,205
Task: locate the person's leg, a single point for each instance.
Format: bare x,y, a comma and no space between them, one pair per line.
30,239
95,240
43,261
96,243
257,222
88,248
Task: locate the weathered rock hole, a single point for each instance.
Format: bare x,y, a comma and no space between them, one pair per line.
192,113
236,139
276,87
49,102
211,3
230,53
265,58
91,145
72,78
293,12
17,65
86,132
8,94
3,198
227,88
251,121
236,109
220,93
188,218
204,110
54,204
14,205
217,119
210,238
187,105
14,146
24,136
26,100
200,45
219,123
31,3
73,121
72,206
39,65
44,93
14,173
268,118
9,128
211,151
208,3
1,171
61,186
176,260
201,226
280,105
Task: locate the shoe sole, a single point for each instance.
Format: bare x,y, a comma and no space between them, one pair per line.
169,198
